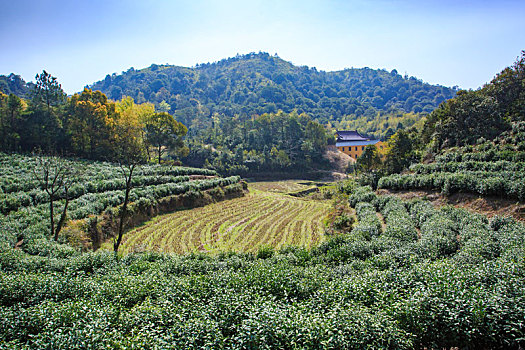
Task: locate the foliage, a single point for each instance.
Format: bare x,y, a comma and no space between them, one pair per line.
260,83
15,84
485,183
484,113
162,131
382,125
91,120
369,224
87,124
270,142
99,187
489,168
458,284
401,151
362,194
11,109
369,160
340,220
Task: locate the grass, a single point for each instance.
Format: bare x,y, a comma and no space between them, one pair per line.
264,217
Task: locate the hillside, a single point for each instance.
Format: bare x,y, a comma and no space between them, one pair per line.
88,197
15,84
489,168
260,83
408,276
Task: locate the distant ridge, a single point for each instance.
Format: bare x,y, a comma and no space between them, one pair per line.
258,82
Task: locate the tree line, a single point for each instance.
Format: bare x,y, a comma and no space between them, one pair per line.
259,83
282,142
86,125
479,118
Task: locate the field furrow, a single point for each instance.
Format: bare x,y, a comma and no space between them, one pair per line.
241,224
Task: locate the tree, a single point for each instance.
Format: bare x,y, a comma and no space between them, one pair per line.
131,154
400,152
55,176
163,132
369,159
164,107
127,169
44,125
91,124
466,118
12,121
4,119
131,122
508,88
48,91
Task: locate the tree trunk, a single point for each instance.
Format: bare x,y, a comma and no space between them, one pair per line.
51,217
160,152
62,218
124,211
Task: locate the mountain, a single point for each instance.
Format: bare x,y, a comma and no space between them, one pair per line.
259,83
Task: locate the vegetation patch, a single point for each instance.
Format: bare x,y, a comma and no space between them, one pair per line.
94,189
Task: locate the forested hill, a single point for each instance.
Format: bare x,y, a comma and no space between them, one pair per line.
259,83
15,84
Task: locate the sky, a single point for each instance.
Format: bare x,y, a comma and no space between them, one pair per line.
450,43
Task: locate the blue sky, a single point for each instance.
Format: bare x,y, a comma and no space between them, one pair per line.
462,43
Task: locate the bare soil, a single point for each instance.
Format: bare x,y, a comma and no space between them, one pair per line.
489,206
338,160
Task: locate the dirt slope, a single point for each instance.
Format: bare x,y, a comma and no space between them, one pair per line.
489,206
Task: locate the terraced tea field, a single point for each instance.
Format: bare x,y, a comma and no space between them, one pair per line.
243,224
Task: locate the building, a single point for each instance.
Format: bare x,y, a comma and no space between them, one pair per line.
353,143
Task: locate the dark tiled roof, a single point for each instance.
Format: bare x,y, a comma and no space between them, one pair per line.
356,143
350,135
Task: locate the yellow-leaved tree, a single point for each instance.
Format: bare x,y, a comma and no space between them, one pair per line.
91,124
132,122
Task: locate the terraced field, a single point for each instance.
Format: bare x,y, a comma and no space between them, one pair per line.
242,224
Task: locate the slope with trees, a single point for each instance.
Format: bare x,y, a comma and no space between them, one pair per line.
86,125
474,142
272,142
261,83
16,85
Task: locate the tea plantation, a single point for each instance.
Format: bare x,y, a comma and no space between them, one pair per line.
407,276
488,168
95,187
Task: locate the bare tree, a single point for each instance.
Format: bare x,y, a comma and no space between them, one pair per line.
130,154
55,176
126,169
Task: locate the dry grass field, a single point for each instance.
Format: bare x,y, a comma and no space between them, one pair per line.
265,216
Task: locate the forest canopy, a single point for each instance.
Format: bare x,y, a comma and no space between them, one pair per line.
261,83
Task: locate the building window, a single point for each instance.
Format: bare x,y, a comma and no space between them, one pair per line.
356,148
363,148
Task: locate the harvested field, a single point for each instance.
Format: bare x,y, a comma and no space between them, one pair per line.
242,224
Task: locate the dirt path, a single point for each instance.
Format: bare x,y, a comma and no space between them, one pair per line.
382,220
